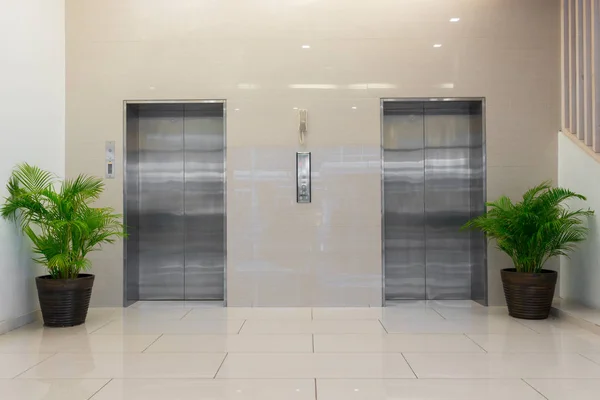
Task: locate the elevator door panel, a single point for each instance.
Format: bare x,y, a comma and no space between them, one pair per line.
404,218
447,200
433,183
204,202
161,204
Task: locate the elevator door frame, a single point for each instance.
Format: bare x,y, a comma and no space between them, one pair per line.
126,103
482,100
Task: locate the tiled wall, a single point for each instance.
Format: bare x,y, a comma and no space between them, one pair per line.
251,54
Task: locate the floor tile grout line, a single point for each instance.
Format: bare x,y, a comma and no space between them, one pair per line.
312,317
242,326
186,314
316,391
531,386
587,358
154,341
101,326
222,362
528,327
33,366
471,339
313,342
438,313
409,366
98,391
383,326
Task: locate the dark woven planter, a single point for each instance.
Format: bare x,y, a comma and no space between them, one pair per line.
64,302
528,295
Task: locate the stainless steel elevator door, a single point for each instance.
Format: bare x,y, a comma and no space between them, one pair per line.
204,176
428,148
161,203
447,200
404,212
181,201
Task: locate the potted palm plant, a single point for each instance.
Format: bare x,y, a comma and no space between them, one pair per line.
532,231
64,229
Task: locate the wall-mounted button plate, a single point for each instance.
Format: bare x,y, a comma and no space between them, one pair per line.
303,190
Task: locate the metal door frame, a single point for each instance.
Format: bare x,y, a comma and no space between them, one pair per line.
127,302
383,100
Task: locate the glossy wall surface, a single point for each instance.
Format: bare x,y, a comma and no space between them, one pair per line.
432,159
175,202
336,58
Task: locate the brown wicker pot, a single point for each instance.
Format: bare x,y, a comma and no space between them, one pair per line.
529,295
64,302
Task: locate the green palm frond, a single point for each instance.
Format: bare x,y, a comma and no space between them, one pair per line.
62,225
535,229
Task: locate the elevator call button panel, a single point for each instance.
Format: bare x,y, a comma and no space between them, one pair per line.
303,190
109,166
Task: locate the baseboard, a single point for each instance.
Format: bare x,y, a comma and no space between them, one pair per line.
14,323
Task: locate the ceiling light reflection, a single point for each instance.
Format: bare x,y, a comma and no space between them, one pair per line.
455,19
311,86
248,86
365,86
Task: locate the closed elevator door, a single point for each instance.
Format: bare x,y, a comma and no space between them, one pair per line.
181,201
430,189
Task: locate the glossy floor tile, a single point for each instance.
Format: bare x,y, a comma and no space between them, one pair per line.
554,343
238,365
488,325
392,313
425,389
314,326
233,344
220,389
552,325
50,389
395,343
188,327
127,365
504,365
567,389
282,313
75,344
160,350
12,365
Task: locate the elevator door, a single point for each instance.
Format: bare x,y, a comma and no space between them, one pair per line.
181,228
428,191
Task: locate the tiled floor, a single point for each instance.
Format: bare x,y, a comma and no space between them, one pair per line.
421,350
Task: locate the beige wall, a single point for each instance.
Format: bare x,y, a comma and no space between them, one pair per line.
249,53
579,170
32,130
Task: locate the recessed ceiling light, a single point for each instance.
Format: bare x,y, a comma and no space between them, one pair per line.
306,46
455,19
437,45
354,107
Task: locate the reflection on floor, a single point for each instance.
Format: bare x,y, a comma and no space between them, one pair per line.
179,351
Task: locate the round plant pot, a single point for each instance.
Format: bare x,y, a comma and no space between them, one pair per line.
529,295
64,302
